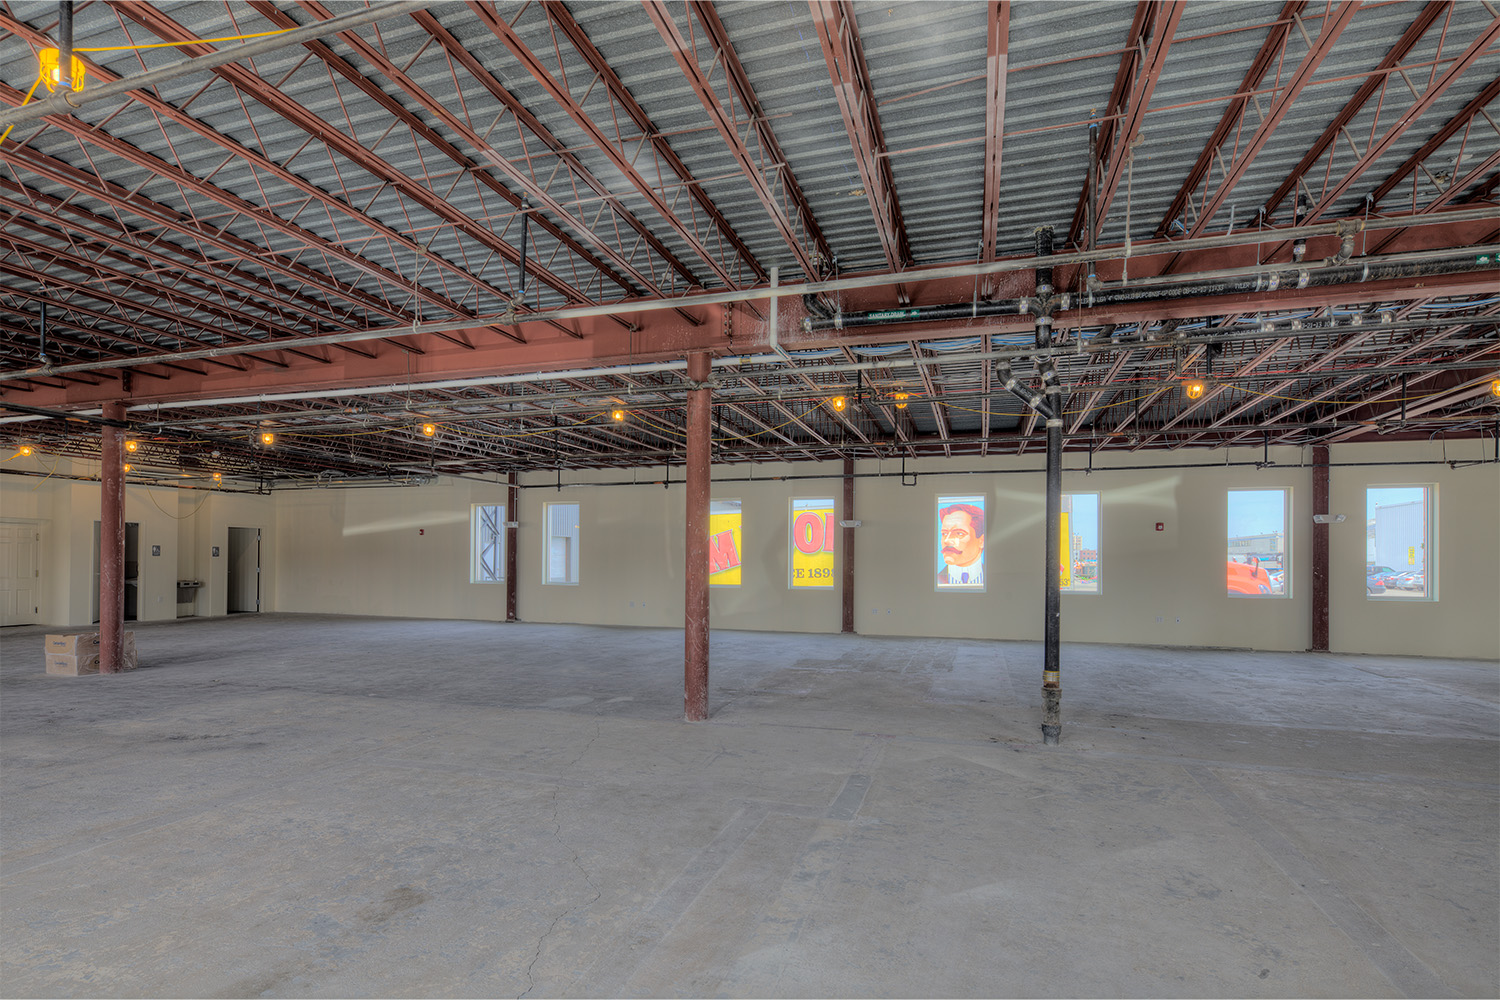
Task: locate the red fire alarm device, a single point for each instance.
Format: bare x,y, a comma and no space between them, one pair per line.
1160,526
421,531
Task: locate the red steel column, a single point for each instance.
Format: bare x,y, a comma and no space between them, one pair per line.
112,543
512,515
1320,551
848,622
695,524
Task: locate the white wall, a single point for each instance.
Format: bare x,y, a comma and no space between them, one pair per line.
404,551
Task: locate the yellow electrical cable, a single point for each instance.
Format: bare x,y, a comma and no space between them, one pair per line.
188,41
151,495
24,103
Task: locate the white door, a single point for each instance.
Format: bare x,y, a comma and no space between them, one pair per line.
20,573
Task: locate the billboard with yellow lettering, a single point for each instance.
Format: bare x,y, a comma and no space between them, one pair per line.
814,531
724,543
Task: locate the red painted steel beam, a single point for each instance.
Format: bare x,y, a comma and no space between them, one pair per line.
1163,29
203,272
744,111
838,34
617,156
695,523
1140,30
1490,91
248,83
1408,40
662,149
996,65
259,163
1410,117
184,224
1234,111
112,541
622,269
1333,26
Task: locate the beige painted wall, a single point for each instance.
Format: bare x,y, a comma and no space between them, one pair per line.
405,551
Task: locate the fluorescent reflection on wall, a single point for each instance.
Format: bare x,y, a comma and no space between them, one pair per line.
812,550
724,543
960,542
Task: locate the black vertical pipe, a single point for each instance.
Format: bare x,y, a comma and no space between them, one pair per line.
1052,625
525,225
1043,274
65,44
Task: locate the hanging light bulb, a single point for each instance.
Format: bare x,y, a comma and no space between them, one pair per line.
618,416
218,478
132,445
1495,387
429,430
25,451
901,398
125,468
840,403
49,63
267,438
1194,388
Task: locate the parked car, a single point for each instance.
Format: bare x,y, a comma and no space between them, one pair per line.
1246,580
1376,577
1278,580
1413,581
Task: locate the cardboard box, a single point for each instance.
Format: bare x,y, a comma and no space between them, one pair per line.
73,643
64,665
83,657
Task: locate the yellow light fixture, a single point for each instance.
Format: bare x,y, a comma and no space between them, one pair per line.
267,438
429,430
49,62
218,478
25,451
901,398
618,416
132,445
1194,388
840,403
1495,387
125,467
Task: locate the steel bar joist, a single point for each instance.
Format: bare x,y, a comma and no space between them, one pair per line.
838,34
996,66
711,66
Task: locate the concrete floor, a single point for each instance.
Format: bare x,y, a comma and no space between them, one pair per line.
317,806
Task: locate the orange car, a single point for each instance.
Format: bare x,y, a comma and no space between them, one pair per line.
1251,580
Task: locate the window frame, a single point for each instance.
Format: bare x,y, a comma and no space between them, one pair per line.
1429,543
1099,530
575,570
475,547
1286,540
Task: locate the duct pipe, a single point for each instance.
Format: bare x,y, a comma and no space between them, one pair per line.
65,45
68,101
965,310
1012,385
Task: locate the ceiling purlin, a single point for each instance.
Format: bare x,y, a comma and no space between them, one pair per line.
614,148
838,34
933,395
661,149
1462,120
24,332
620,274
65,308
1328,197
1272,50
202,270
224,320
182,222
1113,135
350,148
1408,41
735,113
1333,25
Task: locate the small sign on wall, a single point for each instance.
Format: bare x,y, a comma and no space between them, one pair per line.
156,550
216,552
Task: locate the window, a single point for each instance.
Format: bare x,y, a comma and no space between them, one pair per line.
813,534
1079,544
724,543
1257,560
1398,543
960,543
487,543
562,542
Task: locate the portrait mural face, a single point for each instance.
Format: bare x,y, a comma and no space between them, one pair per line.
960,542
